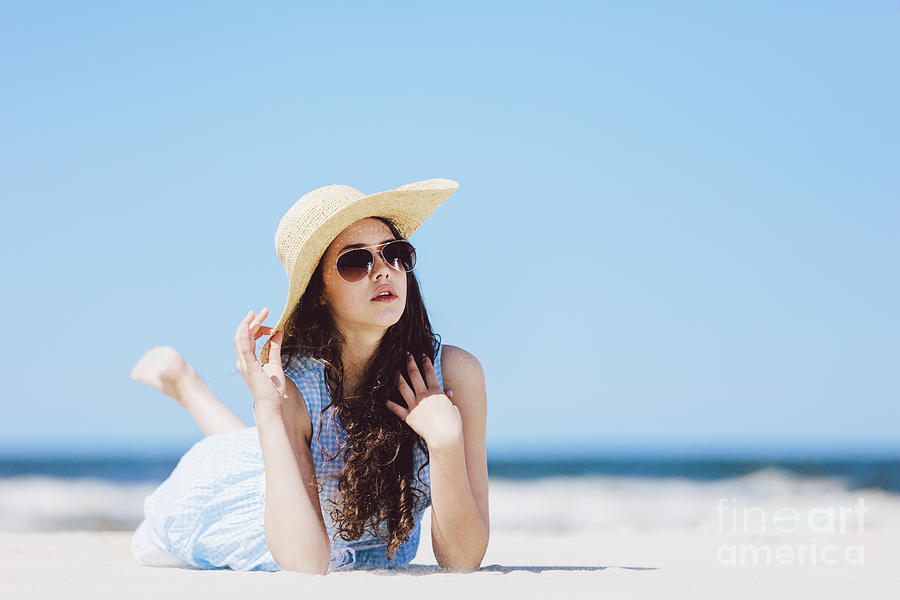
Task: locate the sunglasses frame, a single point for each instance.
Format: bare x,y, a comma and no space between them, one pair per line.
380,248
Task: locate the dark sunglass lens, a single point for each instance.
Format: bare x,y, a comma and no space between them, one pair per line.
401,254
354,265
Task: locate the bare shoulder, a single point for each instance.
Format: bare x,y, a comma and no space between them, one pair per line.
460,370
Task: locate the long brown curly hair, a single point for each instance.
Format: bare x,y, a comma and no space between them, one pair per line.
377,481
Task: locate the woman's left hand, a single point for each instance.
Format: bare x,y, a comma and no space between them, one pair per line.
430,412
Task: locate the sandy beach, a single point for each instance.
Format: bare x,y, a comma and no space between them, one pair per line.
622,564
592,538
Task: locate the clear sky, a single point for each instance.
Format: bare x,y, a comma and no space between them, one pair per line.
676,227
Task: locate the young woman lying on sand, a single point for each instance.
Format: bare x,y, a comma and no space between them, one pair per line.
347,452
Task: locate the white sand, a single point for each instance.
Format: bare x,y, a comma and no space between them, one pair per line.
633,541
623,564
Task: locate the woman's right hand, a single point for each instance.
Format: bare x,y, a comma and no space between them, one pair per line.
266,382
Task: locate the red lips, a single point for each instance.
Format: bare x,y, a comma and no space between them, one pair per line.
384,288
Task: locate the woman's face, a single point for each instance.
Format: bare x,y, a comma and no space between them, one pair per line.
350,304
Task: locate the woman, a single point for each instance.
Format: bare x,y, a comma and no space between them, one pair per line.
354,434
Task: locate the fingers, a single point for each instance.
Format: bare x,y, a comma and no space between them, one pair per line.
414,375
245,350
275,348
411,394
397,409
246,331
407,392
256,322
430,374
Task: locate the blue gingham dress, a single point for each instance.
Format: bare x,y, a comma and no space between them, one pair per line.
209,513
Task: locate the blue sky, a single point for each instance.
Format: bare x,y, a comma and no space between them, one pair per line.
676,227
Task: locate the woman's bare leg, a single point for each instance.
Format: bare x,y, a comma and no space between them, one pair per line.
164,369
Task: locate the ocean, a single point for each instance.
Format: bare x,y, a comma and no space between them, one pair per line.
49,494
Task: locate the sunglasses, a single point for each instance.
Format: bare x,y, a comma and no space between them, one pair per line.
355,264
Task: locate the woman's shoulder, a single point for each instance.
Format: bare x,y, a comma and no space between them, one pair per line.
458,364
456,354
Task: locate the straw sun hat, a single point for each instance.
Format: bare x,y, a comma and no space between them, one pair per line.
311,224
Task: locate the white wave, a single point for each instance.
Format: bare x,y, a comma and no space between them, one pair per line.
42,503
549,505
599,503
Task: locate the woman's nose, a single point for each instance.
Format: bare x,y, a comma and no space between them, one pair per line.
381,265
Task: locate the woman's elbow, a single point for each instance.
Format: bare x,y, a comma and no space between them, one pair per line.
306,566
309,561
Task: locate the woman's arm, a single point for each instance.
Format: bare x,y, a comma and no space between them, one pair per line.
460,519
455,434
295,529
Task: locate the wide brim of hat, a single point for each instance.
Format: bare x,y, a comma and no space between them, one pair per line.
407,207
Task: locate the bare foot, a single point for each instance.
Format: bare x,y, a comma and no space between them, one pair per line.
164,369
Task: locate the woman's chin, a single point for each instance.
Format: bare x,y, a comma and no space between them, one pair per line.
387,317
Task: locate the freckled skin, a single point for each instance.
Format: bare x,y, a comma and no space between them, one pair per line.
361,321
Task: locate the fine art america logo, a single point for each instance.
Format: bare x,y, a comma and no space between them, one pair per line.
820,528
